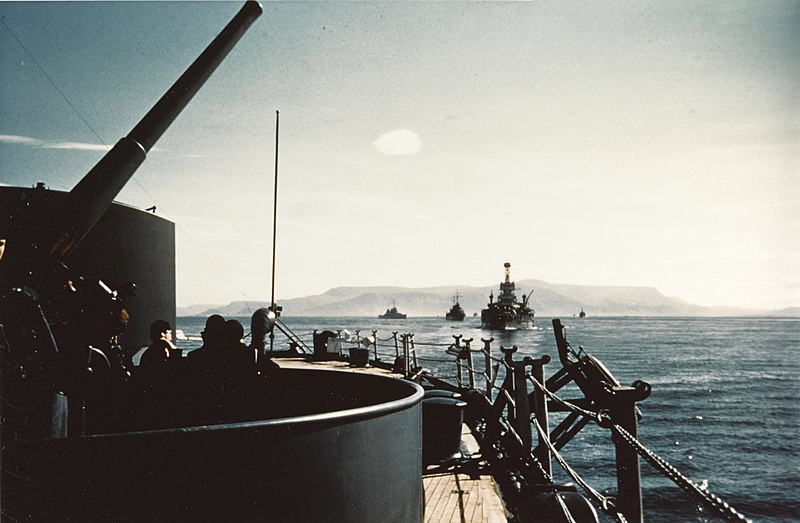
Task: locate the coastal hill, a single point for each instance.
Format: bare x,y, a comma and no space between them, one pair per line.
548,300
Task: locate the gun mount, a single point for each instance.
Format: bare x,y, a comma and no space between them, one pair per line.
59,330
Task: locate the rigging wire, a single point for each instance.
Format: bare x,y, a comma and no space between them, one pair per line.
55,86
149,195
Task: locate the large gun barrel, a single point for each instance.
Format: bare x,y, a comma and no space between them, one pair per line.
93,194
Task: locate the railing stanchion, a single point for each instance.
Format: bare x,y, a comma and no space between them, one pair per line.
629,488
540,410
519,409
470,367
413,350
487,353
406,357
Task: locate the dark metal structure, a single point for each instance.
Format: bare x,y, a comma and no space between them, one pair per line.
603,393
78,444
61,329
512,421
316,452
125,245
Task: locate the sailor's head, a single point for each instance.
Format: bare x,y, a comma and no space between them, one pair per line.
261,323
160,329
233,331
214,326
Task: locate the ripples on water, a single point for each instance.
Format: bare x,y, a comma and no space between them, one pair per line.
724,404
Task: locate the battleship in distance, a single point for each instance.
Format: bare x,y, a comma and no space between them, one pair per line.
506,313
392,314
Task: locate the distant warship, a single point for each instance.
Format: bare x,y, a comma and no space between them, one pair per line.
507,313
392,314
456,313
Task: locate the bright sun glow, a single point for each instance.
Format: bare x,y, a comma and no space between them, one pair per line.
401,142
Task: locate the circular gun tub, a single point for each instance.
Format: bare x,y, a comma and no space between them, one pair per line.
336,446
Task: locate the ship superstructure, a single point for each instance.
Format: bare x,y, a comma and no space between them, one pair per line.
507,313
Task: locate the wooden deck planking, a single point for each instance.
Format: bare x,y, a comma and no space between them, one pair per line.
455,497
340,365
434,487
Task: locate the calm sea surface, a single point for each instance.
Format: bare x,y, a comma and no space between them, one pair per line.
724,406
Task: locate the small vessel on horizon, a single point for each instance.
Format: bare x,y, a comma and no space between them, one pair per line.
582,314
507,313
456,312
392,314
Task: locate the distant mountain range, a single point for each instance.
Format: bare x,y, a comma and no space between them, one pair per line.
549,300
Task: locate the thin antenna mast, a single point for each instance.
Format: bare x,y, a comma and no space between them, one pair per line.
274,225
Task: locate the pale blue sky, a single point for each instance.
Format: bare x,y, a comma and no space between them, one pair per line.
426,143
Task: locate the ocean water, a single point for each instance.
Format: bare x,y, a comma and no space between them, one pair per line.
724,406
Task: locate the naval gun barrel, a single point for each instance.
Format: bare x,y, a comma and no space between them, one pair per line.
93,194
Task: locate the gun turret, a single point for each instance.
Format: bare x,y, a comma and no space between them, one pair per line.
56,328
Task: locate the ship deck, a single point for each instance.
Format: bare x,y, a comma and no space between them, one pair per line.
463,491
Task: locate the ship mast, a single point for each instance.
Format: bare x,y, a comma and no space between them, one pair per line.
273,307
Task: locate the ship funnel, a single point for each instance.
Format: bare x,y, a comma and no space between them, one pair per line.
90,198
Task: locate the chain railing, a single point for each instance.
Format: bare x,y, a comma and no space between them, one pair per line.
701,494
515,411
512,403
